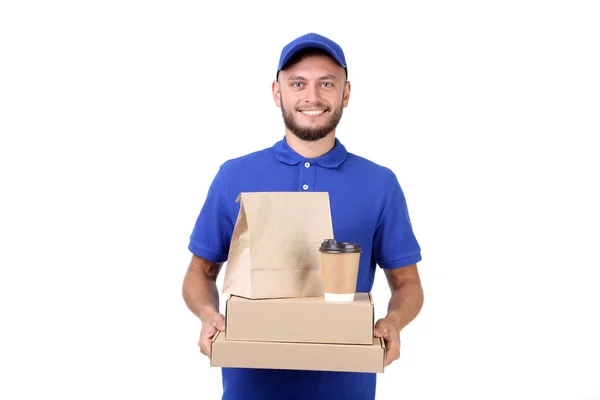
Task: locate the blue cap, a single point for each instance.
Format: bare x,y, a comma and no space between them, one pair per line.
312,41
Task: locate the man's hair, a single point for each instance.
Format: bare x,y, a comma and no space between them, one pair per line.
302,54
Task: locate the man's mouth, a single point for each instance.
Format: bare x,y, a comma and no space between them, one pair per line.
313,113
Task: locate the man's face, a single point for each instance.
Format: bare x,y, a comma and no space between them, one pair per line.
312,95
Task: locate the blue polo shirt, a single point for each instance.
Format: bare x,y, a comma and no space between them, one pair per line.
367,206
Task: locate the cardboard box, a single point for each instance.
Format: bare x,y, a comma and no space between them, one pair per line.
304,320
298,356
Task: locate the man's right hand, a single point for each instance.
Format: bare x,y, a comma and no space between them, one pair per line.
210,326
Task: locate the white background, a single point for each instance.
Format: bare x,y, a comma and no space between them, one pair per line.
487,112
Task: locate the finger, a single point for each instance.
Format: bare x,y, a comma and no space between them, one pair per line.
205,339
389,348
382,332
209,332
206,345
388,353
203,349
392,351
388,338
219,323
388,358
395,356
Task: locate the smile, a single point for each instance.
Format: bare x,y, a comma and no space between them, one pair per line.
312,113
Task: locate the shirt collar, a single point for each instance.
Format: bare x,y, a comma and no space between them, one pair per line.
332,159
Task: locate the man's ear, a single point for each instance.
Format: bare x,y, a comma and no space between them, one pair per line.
346,95
276,93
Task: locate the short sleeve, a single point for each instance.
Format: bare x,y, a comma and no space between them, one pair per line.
394,242
211,236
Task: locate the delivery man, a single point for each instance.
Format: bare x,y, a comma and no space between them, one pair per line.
368,206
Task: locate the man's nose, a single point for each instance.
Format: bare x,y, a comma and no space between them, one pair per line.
312,94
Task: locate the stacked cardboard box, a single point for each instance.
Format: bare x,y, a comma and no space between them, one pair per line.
276,316
299,333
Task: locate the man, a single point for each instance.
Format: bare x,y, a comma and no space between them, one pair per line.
367,203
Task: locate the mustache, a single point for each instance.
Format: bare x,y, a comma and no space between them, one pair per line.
313,106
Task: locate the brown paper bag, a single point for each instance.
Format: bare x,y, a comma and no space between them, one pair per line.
274,250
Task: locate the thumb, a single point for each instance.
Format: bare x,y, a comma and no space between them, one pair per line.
378,332
219,323
381,330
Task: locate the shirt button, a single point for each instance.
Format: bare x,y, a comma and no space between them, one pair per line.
305,186
307,164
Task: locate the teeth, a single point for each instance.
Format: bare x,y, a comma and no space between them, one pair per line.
313,112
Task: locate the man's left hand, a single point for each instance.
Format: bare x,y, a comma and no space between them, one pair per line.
385,329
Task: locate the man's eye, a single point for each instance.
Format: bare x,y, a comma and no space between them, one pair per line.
327,84
296,84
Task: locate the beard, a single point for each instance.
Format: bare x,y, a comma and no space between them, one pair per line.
312,134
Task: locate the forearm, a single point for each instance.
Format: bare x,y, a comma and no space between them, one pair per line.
200,293
405,303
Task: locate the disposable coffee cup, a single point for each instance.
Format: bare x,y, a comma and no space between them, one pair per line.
339,265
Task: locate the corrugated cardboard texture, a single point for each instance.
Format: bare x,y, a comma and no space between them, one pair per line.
306,320
274,251
298,356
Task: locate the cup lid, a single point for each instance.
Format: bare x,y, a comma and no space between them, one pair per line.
333,246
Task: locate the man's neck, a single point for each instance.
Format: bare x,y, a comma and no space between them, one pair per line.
310,149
